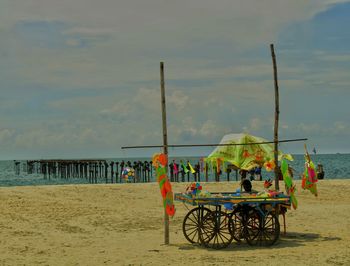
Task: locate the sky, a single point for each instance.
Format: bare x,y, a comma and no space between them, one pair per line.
80,78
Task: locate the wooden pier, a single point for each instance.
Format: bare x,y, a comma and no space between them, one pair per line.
93,170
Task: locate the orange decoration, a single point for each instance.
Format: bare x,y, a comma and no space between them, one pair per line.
163,160
269,165
159,161
218,165
259,156
245,154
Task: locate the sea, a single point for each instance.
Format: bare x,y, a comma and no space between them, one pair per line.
335,166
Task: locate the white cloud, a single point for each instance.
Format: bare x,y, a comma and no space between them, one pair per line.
73,42
135,28
6,135
335,58
330,130
178,99
341,127
118,45
209,128
255,124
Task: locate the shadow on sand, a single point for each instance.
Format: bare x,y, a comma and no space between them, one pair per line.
290,239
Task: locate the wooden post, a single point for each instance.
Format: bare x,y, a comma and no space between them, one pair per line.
112,172
277,111
165,144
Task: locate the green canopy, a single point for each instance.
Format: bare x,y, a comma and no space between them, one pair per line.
244,156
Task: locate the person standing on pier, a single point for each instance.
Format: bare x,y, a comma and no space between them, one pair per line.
171,167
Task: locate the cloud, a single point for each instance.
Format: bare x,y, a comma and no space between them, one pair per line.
334,129
138,31
178,99
84,75
335,57
73,42
6,135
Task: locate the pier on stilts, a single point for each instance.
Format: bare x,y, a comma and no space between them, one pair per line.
92,170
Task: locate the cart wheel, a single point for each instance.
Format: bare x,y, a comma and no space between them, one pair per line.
262,231
191,223
214,231
236,224
270,231
251,227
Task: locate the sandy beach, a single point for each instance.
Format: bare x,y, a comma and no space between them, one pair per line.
123,225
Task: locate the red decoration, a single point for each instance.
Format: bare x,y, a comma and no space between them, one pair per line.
259,156
245,154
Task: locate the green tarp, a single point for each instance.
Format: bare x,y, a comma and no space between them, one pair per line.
244,156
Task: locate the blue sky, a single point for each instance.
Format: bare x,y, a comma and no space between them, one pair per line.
80,78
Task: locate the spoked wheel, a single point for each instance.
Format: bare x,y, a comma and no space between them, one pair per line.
191,223
214,231
270,231
236,224
251,227
262,230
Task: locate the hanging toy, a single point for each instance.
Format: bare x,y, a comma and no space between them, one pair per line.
191,168
270,165
160,163
267,183
309,178
175,169
184,167
290,188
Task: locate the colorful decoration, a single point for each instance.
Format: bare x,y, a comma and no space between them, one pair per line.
270,165
268,194
290,188
267,183
128,174
194,188
184,167
160,163
309,178
191,168
246,154
176,170
218,165
259,156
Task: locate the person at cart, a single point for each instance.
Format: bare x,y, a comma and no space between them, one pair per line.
246,185
243,174
251,174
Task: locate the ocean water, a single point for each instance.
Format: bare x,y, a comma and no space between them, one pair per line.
336,166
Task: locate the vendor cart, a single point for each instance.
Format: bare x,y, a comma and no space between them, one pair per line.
217,220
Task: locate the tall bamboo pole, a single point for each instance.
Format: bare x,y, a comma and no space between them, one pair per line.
165,144
277,111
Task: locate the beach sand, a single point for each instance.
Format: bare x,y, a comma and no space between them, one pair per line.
122,224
